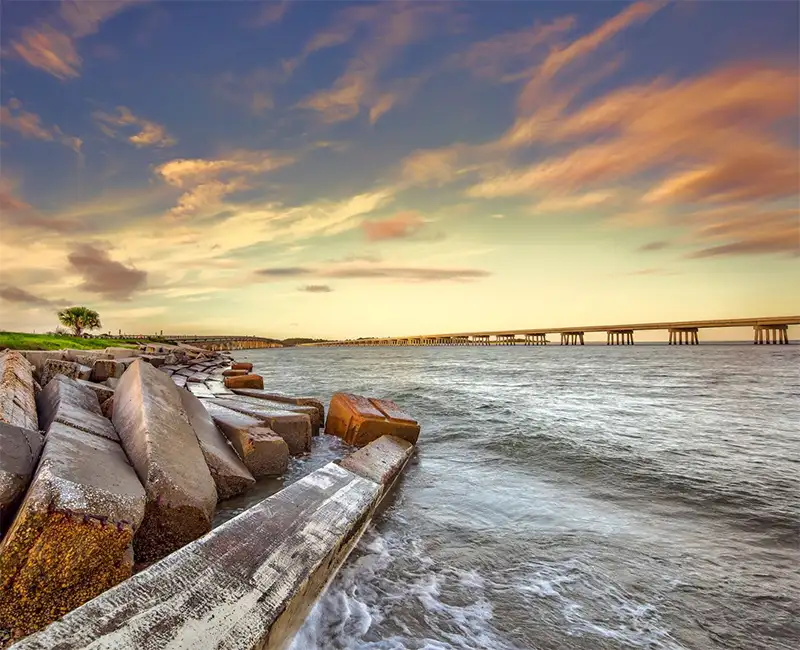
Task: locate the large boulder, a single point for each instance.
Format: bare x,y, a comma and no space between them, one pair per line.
72,535
17,395
244,381
19,452
163,448
294,428
230,474
67,402
359,420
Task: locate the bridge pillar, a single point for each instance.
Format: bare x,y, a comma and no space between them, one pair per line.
619,337
771,334
683,336
536,338
572,338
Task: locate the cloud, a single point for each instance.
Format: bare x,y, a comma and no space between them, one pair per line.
271,13
104,276
317,288
284,272
148,134
17,214
400,226
51,45
252,90
654,246
29,125
389,28
208,181
20,296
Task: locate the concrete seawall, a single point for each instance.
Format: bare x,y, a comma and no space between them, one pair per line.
250,582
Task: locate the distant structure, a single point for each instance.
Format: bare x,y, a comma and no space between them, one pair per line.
769,330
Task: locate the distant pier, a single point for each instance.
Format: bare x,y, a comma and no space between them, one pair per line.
766,331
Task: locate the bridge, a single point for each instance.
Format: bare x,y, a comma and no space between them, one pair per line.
768,330
209,342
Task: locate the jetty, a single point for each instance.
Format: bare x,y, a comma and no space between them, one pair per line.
766,330
112,465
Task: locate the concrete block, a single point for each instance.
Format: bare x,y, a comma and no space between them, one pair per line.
19,453
294,428
154,360
199,390
71,537
263,451
102,392
359,420
231,476
218,388
121,353
84,372
248,584
53,367
179,380
288,402
235,373
381,461
84,357
38,357
66,401
112,382
108,407
245,381
185,372
198,377
103,369
17,394
242,366
163,448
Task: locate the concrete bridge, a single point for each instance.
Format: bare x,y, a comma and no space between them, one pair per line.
767,330
209,342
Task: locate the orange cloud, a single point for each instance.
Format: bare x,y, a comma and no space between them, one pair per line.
149,134
29,125
400,226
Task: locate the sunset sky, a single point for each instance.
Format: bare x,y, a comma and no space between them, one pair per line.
333,169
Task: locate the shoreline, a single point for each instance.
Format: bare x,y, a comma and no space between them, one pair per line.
239,433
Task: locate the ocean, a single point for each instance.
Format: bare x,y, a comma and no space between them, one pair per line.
568,498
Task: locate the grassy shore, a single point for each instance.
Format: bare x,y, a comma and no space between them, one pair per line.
23,341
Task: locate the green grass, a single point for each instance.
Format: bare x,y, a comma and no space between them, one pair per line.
23,341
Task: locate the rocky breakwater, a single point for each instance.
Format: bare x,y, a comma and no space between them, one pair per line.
134,461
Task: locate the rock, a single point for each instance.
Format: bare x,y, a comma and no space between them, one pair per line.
245,381
359,420
103,369
17,395
230,474
108,407
381,461
242,366
112,382
70,539
66,401
103,392
53,367
199,390
122,353
163,448
84,357
310,411
171,359
316,421
154,360
185,372
84,372
294,428
250,583
19,453
179,380
38,357
198,377
235,373
218,388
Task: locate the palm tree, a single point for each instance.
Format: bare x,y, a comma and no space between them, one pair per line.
79,319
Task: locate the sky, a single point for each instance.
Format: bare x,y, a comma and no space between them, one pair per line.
331,169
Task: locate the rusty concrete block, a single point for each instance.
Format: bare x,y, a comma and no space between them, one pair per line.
242,366
231,372
71,537
359,420
244,381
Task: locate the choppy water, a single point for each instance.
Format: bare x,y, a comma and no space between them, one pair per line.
589,498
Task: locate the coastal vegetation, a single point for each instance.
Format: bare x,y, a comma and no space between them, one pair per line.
79,319
25,341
